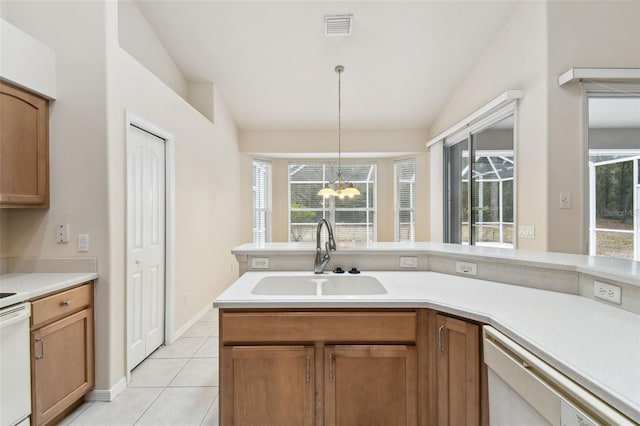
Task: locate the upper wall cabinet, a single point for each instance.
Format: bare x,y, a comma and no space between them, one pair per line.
24,149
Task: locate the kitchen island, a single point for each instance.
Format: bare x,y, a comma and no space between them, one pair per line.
595,344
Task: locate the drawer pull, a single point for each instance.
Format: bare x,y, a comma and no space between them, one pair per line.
41,348
307,360
66,303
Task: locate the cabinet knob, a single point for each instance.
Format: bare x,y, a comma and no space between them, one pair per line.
66,303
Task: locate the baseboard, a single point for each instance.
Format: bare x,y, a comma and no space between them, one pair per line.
179,332
108,394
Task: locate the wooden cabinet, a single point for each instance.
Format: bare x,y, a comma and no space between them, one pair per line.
458,371
271,385
370,385
62,358
24,149
329,368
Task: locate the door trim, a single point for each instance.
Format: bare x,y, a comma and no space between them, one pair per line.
169,285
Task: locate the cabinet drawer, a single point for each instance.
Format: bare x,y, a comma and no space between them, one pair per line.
290,327
60,304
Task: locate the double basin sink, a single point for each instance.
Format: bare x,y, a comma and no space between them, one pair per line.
319,285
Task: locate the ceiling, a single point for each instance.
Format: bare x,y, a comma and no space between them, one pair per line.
275,67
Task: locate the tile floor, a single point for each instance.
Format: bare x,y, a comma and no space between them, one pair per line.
177,385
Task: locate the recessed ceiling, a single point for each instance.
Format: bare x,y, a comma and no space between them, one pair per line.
275,66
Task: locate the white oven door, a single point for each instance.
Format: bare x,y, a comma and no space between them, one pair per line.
15,365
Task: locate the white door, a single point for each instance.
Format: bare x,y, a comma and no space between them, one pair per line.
145,244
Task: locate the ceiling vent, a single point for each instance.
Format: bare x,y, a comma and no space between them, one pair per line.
338,25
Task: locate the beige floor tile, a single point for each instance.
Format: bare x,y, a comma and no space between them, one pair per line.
179,406
212,416
209,349
201,329
125,410
75,413
184,347
156,372
198,372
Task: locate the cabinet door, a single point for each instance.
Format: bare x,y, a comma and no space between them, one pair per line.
370,385
458,371
62,364
24,148
270,385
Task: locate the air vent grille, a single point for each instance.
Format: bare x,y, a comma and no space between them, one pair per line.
338,25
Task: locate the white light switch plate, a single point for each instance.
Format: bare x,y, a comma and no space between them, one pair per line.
83,242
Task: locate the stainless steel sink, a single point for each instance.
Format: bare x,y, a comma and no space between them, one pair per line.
319,285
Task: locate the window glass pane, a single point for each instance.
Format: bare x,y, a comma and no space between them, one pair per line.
405,180
492,177
614,188
261,201
353,219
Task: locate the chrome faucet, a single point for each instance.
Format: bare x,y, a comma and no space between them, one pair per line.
323,259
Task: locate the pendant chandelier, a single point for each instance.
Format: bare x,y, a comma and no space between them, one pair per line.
342,188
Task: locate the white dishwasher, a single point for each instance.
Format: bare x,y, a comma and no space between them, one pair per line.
15,365
526,391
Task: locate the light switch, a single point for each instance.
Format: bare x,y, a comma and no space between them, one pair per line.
83,242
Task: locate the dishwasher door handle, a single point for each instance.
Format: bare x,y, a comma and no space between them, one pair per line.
14,317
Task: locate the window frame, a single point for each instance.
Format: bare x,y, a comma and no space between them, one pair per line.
467,136
268,209
603,89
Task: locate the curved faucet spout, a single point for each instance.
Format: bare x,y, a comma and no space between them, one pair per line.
322,260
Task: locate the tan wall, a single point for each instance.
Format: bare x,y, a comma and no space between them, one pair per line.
138,38
359,144
581,34
515,59
78,152
88,166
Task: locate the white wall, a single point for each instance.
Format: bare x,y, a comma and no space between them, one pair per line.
97,83
515,59
78,151
603,34
138,38
26,62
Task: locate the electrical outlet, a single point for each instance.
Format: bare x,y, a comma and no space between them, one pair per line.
608,292
260,263
565,200
408,262
62,233
526,231
467,268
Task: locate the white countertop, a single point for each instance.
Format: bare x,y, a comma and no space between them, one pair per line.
595,344
32,285
627,271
